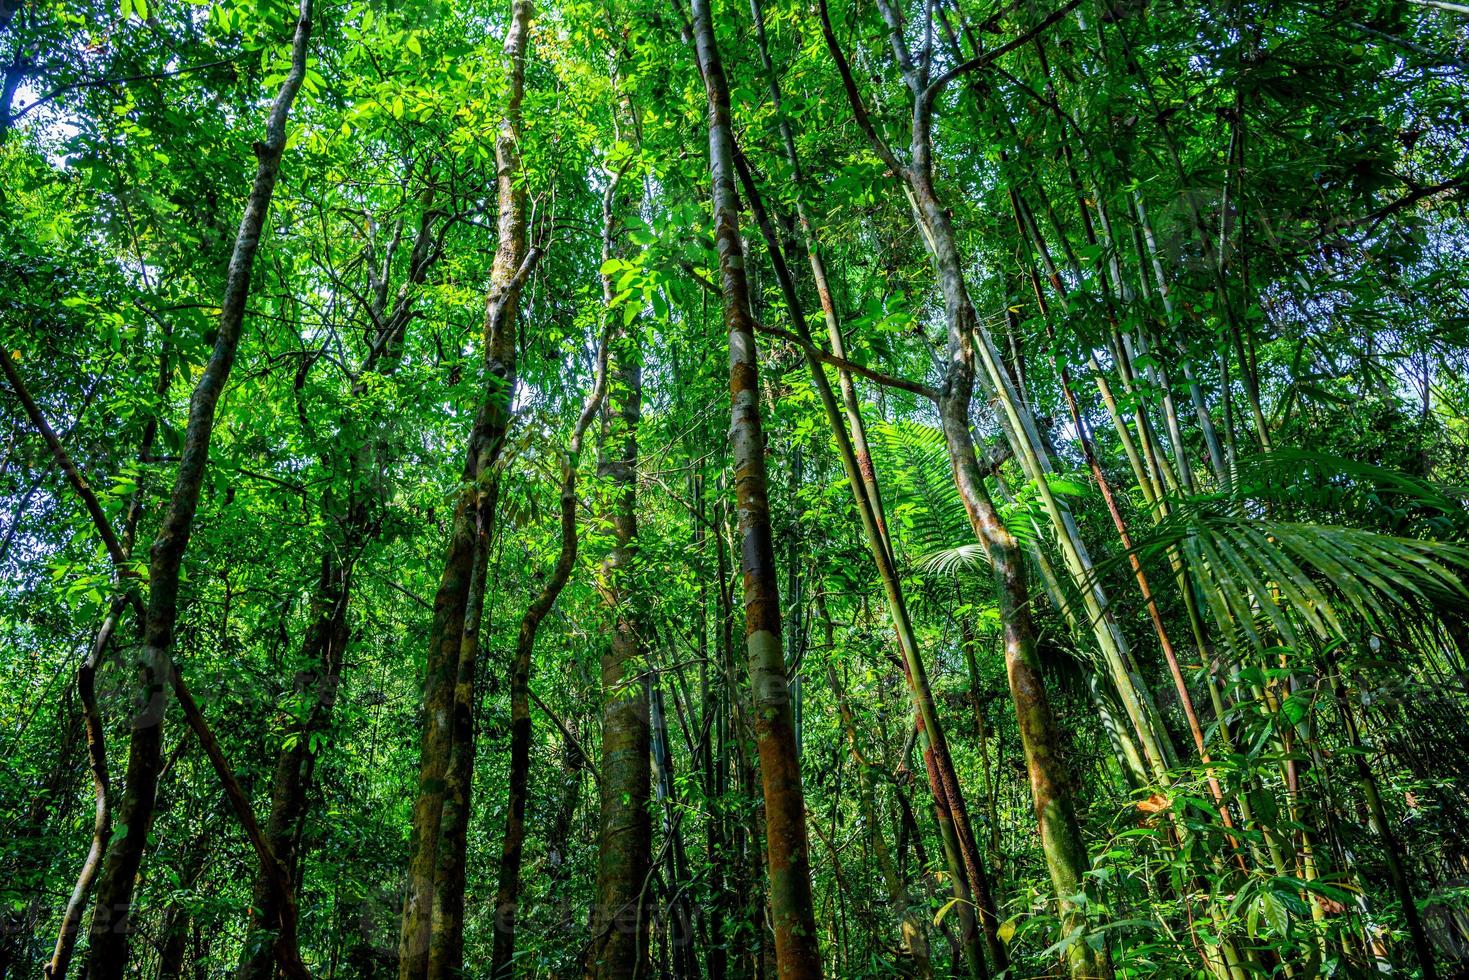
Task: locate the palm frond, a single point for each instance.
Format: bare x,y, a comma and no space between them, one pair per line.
1301,579
953,561
1315,485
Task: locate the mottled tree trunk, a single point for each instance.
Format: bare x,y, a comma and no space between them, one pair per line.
111,921
971,887
797,951
431,941
620,919
1050,782
445,631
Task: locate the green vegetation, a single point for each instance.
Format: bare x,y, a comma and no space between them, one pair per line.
734,489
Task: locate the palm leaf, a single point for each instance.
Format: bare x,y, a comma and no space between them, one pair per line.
1305,578
1319,486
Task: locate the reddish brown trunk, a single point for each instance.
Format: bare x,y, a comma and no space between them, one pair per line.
787,849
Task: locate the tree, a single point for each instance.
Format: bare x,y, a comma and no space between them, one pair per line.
1091,489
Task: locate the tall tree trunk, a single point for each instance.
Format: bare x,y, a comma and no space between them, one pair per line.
111,921
325,645
740,922
120,549
431,941
352,525
797,952
507,895
620,920
968,877
1051,785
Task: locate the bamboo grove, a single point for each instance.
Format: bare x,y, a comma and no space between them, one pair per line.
734,489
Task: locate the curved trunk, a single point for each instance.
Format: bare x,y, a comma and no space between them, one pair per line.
969,879
111,921
71,918
1050,782
507,894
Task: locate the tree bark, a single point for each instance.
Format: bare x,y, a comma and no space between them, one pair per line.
1051,785
1050,782
431,940
621,917
797,951
111,920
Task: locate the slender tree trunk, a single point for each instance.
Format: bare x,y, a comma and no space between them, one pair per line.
120,550
970,881
431,941
678,911
325,645
111,921
1392,848
1052,788
71,918
911,928
507,896
740,921
797,951
621,917
350,527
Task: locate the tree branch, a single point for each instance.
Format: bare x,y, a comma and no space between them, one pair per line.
73,475
585,758
288,953
849,83
876,377
985,58
124,80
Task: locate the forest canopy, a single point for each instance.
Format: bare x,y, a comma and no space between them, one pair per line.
734,489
